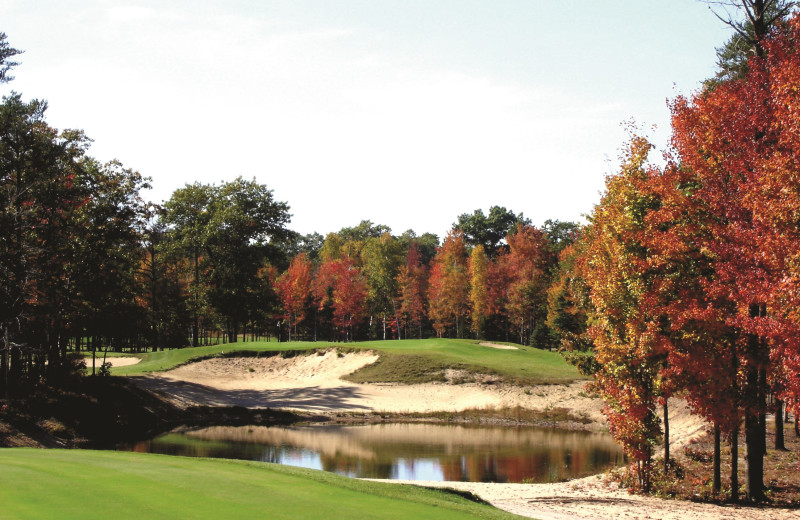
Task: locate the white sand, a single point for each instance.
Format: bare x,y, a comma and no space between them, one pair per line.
122,361
312,384
498,346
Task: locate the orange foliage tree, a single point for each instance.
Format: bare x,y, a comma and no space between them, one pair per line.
448,285
294,288
739,144
629,345
340,286
413,283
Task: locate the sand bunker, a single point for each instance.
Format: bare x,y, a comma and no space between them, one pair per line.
498,346
123,361
313,383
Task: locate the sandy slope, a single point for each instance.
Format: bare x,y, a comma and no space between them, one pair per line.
312,383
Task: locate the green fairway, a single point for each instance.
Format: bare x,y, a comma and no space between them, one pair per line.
406,361
83,484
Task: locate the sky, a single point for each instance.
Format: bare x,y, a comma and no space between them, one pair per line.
406,113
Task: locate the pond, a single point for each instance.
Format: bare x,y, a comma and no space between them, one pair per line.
405,451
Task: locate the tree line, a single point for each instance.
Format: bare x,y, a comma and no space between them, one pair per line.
687,272
488,279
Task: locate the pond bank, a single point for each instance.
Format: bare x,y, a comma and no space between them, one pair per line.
315,384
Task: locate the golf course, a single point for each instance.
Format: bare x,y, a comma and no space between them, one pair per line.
446,381
86,483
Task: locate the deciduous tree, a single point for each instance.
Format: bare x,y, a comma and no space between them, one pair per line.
448,286
627,337
478,294
413,282
382,257
294,288
488,231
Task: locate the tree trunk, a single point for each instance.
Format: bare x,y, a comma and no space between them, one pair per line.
754,422
779,437
4,359
94,353
196,320
666,436
755,458
396,319
735,465
717,485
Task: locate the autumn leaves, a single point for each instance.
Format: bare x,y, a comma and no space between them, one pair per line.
693,267
455,291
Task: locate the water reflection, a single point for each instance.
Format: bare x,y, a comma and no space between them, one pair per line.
406,451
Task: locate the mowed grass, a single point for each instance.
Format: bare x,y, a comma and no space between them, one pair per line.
410,361
84,484
405,361
168,359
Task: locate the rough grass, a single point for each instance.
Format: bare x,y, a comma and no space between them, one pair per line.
407,369
513,414
169,359
92,484
406,361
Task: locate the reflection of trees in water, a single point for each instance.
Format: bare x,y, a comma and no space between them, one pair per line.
358,467
272,454
469,454
545,465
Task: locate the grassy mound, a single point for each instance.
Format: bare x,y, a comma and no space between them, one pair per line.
406,361
93,484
